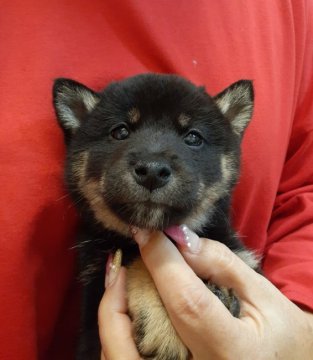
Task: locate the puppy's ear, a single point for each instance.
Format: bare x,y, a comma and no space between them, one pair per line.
72,102
236,104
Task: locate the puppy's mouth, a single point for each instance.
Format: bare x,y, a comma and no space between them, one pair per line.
149,214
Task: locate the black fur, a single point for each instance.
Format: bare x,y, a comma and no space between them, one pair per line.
157,143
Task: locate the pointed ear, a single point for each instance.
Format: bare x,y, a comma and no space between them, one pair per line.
72,102
236,103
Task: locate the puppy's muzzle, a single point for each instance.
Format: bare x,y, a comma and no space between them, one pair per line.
152,174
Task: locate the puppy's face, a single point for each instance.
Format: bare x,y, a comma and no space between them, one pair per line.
152,150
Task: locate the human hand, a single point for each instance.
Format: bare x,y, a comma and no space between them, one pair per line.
115,327
270,326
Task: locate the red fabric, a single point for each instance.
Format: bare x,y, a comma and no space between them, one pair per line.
212,43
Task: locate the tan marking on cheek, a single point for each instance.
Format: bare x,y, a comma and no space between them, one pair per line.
79,167
208,197
184,120
201,214
134,115
148,314
92,192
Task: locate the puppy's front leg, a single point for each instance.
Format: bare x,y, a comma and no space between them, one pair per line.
154,333
89,347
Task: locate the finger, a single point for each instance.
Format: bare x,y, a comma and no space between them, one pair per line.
215,262
114,324
219,265
195,312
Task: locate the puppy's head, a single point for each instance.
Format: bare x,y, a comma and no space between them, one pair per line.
152,150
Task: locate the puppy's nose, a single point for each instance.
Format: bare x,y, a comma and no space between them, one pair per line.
152,174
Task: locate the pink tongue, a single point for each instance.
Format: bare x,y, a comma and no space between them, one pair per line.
176,233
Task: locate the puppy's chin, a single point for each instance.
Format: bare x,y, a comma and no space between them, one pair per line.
149,215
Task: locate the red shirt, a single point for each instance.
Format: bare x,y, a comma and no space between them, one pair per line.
213,43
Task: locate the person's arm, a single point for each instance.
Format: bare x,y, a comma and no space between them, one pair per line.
270,326
288,257
309,317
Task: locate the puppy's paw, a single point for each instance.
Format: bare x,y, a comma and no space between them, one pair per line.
154,334
227,297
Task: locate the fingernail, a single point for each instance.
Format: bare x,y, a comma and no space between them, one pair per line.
184,237
112,268
141,236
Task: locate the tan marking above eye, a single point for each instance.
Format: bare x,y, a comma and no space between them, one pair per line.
134,115
184,120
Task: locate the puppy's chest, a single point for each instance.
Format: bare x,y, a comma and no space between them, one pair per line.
94,249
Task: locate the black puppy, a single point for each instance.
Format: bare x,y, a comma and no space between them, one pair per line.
151,151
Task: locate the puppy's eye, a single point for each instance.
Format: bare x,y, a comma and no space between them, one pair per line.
193,139
120,132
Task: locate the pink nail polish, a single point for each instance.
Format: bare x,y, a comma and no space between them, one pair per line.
184,237
112,268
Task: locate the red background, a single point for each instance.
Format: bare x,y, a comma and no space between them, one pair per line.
213,43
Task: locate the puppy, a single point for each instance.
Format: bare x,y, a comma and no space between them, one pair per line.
152,151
